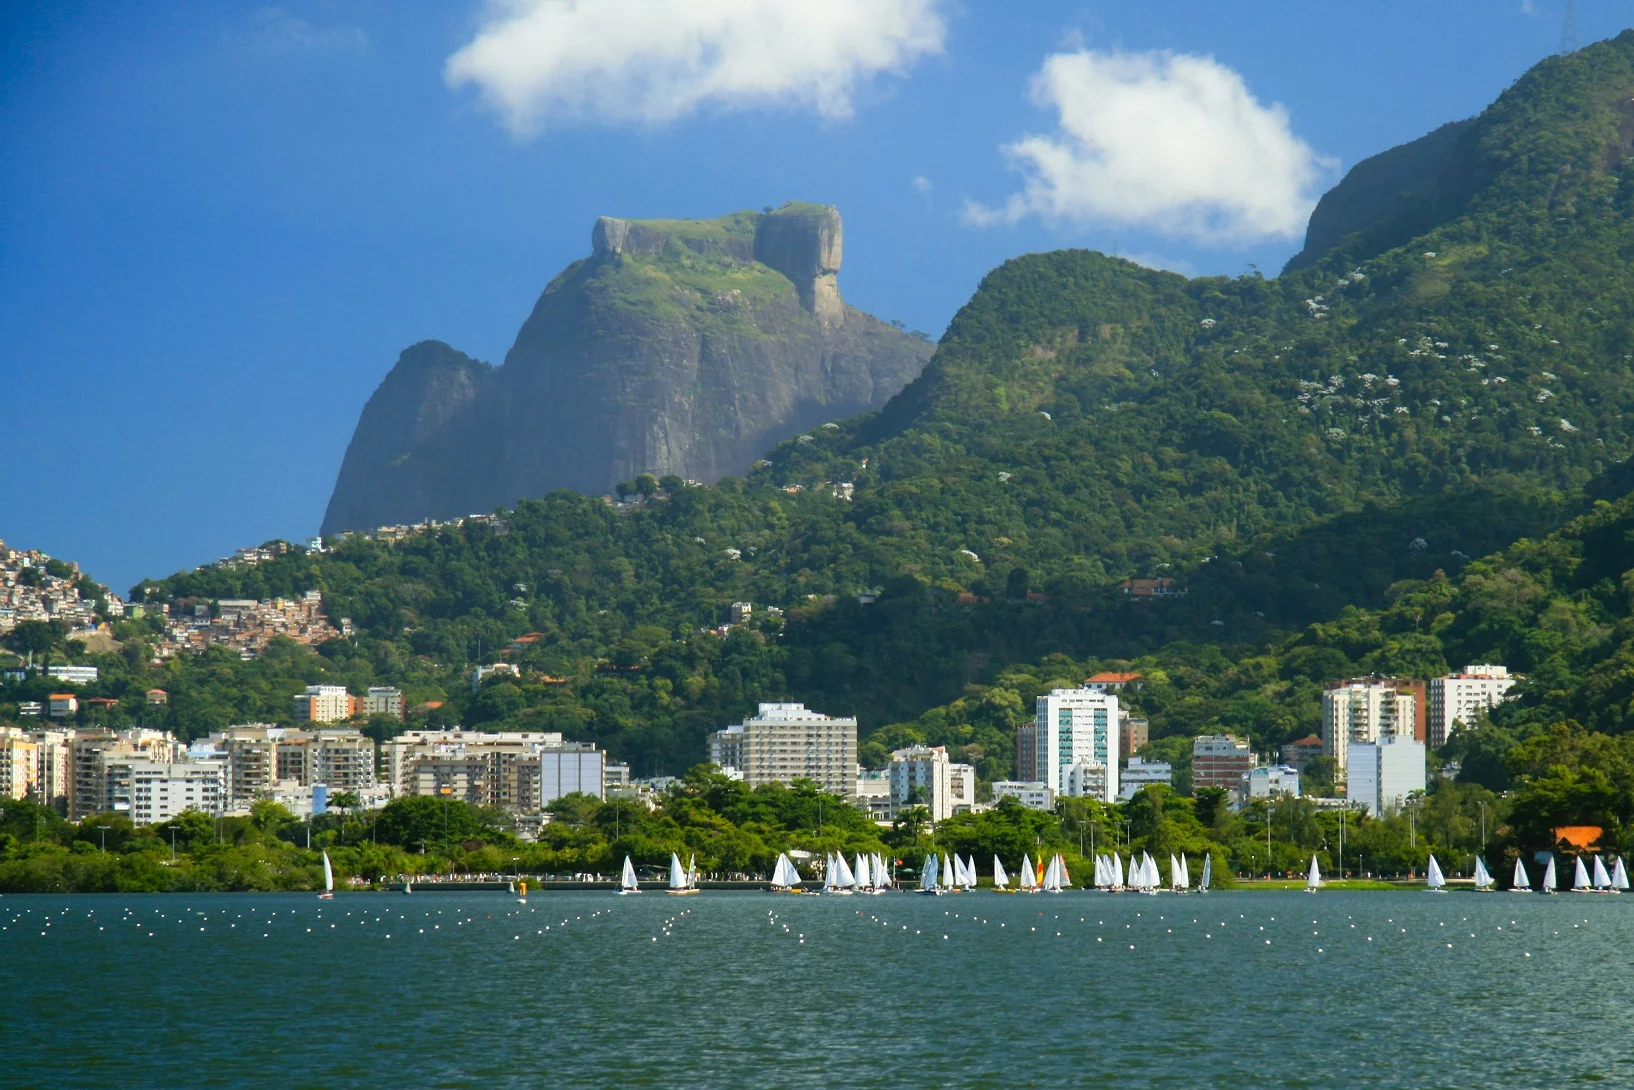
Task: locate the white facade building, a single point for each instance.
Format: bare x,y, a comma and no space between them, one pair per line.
787,742
323,704
574,767
1363,710
1268,780
1141,773
77,675
1384,774
945,788
1459,699
1032,795
1076,727
149,792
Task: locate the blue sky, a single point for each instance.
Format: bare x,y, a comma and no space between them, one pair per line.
220,222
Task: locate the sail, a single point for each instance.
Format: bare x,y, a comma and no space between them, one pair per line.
627,879
1580,877
882,876
1027,879
1208,871
1619,875
1314,879
845,879
1550,881
946,875
1435,879
1602,880
1117,870
677,876
1052,875
1185,874
1522,880
927,873
1149,876
329,874
864,879
692,872
1174,873
1000,879
1483,877
784,876
1066,879
971,881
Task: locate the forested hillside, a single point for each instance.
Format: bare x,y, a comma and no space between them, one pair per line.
1314,459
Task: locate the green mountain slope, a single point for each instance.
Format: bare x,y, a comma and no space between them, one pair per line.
1284,449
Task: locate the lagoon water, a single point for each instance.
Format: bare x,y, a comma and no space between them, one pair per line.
743,989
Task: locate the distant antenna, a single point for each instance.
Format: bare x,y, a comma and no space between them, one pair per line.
1568,29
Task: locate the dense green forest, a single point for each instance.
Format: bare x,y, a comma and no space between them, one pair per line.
1411,455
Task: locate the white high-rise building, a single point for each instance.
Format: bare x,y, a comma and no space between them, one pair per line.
787,742
946,788
1363,710
1076,727
1459,699
149,792
1385,773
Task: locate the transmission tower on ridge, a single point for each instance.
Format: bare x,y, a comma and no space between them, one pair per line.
1568,29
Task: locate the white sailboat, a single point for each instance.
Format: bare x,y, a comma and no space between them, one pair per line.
844,881
882,874
1208,872
1117,872
1434,880
971,881
1602,880
1522,882
328,893
785,879
947,876
1053,876
1177,877
1149,879
1483,878
1549,879
1185,874
1029,884
1066,879
1101,881
867,877
1580,878
1619,876
680,879
627,882
927,876
1313,879
1001,880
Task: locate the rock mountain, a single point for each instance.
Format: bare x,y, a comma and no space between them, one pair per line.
683,347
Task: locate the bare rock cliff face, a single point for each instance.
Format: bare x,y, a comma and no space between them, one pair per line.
678,347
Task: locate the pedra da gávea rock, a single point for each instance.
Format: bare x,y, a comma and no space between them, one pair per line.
683,347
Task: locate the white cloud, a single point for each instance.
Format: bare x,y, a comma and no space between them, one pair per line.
652,61
921,185
1174,143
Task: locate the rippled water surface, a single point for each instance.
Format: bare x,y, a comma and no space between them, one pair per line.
722,989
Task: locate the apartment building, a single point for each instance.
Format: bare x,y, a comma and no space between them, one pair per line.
19,763
1220,760
323,704
925,773
786,742
1365,710
521,771
92,750
1075,727
1458,700
149,792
